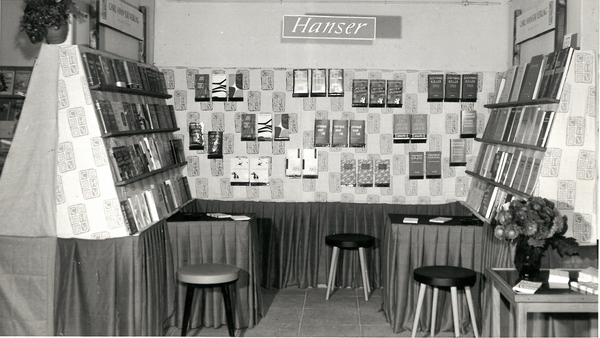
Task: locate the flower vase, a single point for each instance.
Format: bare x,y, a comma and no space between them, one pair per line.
57,35
528,259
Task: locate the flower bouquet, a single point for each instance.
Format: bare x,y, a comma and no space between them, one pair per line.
534,224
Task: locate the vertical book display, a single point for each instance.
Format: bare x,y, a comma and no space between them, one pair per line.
118,163
544,144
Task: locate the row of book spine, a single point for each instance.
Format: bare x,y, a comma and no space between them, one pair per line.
339,133
102,71
156,202
365,173
141,155
452,87
377,93
541,78
124,112
528,125
410,128
515,169
485,198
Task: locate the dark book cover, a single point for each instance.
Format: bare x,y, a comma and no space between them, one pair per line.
162,82
491,124
458,152
196,132
322,136
512,114
151,108
518,82
534,111
339,133
377,93
381,174
418,128
533,177
357,134
186,187
500,124
433,164
515,125
136,75
91,70
480,157
300,85
120,116
537,127
402,124
94,60
416,165
128,217
120,74
360,92
435,87
488,200
546,127
532,76
129,75
248,127
561,67
469,87
202,87
493,171
171,113
107,70
103,121
452,89
525,115
395,90
145,82
546,76
336,82
468,123
318,83
235,89
152,80
512,168
519,174
348,173
110,114
364,173
281,127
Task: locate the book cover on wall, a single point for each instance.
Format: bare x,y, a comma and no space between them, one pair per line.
196,133
322,135
235,87
318,82
336,82
281,127
21,82
219,86
364,173
394,93
300,87
452,89
458,152
381,173
418,128
518,82
508,84
435,87
259,170
532,77
561,68
310,163
402,125
348,173
433,164
215,144
469,88
293,163
416,165
357,134
202,87
546,127
265,127
360,90
339,133
377,93
468,123
248,127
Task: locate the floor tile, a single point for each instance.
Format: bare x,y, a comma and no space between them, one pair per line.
272,330
327,316
317,300
307,330
282,315
379,331
287,301
337,292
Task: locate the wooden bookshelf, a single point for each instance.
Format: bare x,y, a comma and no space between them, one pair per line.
138,132
149,174
499,185
511,144
124,90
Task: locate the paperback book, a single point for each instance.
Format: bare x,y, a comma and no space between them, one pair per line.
336,82
219,86
248,127
365,173
394,93
293,163
458,152
435,87
418,128
360,92
265,127
402,124
433,164
468,123
300,86
377,93
259,170
357,134
281,127
215,144
532,78
319,83
348,173
382,173
452,90
469,87
202,87
322,137
310,163
235,87
339,133
416,165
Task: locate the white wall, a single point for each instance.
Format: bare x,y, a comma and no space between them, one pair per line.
430,36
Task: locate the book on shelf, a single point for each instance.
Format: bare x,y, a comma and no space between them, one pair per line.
488,131
21,82
120,73
151,204
348,173
547,72
526,174
107,70
357,134
520,172
480,157
339,133
128,217
530,126
536,128
528,287
508,84
488,159
90,69
512,168
410,220
512,115
500,89
468,123
433,164
458,152
402,125
525,116
500,124
394,93
532,78
545,129
364,173
487,200
495,166
518,82
559,76
533,176
470,84
416,164
435,87
360,92
377,93
452,88
322,133
381,169
515,124
418,128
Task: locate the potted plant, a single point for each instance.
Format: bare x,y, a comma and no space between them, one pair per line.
47,19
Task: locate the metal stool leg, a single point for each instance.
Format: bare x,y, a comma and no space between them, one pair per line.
332,270
471,311
365,272
422,289
229,309
434,310
189,296
454,295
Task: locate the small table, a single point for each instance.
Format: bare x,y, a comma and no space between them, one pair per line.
545,299
197,238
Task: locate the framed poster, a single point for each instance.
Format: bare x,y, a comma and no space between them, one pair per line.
300,83
318,82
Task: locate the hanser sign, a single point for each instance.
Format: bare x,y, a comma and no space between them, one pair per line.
328,27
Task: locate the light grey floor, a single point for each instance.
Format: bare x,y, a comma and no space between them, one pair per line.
294,312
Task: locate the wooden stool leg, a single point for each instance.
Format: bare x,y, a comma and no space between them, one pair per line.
471,311
187,309
365,272
332,270
454,295
422,289
434,310
227,297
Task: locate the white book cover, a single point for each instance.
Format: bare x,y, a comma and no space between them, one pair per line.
309,163
240,170
259,170
293,163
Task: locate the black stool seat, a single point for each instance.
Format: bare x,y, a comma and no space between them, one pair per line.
445,276
350,241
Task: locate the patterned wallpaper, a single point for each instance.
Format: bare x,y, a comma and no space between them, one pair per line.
270,91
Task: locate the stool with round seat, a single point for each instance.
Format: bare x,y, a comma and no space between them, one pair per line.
349,242
445,276
208,275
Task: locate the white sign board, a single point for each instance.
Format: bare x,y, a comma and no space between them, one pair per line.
122,17
536,21
328,27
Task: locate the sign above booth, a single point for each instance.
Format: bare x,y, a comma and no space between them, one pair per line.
122,17
538,20
328,27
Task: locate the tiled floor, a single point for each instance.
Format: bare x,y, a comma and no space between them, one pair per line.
294,312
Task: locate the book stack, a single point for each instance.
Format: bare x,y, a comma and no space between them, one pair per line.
587,281
558,279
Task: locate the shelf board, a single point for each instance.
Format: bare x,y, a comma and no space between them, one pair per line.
475,213
14,97
148,174
164,219
499,185
137,132
521,103
115,89
511,144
